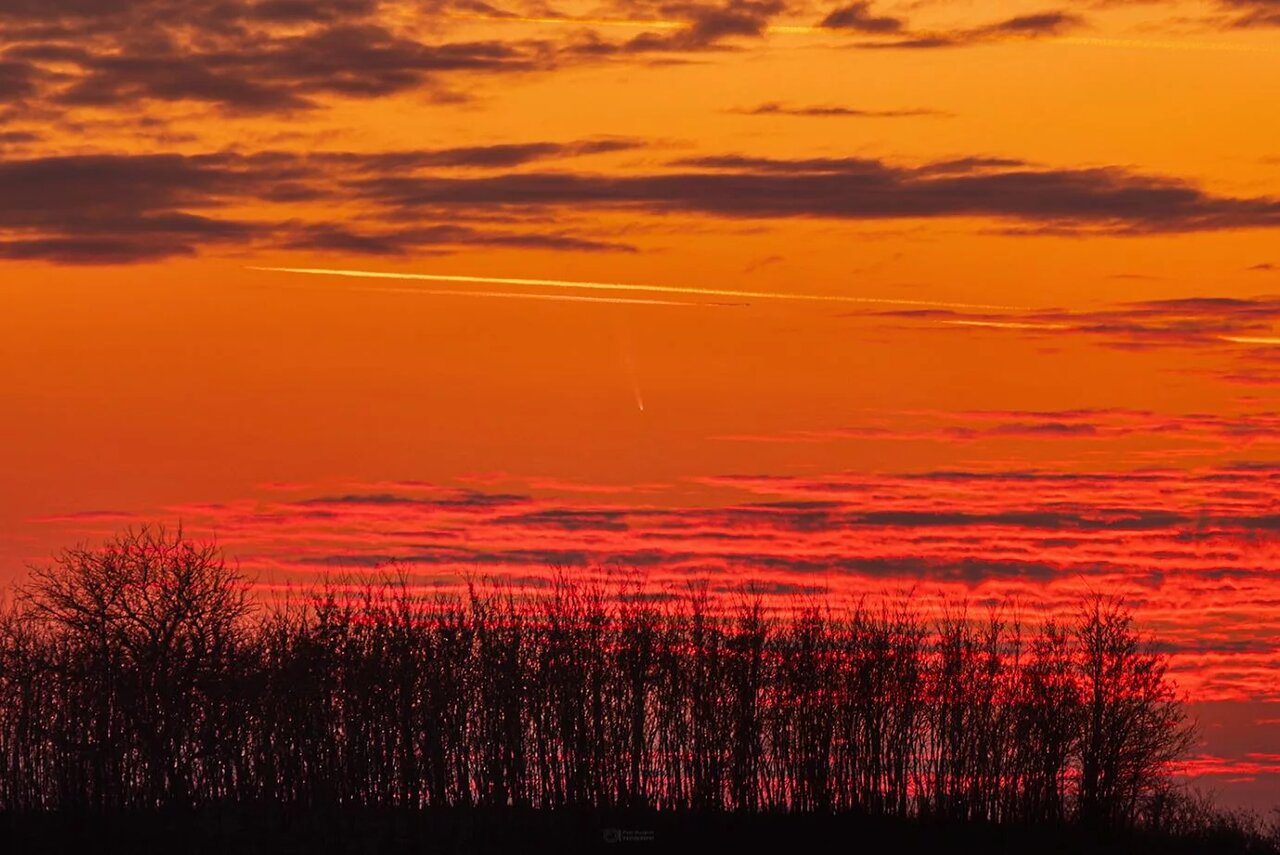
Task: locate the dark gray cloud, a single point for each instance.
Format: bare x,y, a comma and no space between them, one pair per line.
242,56
490,156
1253,13
1109,199
709,23
113,208
117,208
109,209
708,27
136,15
18,80
454,500
894,33
286,72
774,108
859,17
335,238
1043,23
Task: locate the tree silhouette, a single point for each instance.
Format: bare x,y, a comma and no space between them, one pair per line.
1133,724
145,632
140,675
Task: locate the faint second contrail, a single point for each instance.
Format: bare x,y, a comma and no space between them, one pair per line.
617,286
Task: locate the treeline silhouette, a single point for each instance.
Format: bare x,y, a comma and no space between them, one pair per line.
142,676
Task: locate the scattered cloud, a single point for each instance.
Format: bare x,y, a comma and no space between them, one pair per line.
1180,322
1108,200
1161,537
695,27
240,56
774,108
1253,13
1210,435
333,238
108,209
860,18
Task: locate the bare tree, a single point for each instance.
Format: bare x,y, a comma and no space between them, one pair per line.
1133,723
151,620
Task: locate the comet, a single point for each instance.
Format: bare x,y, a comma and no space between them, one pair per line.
628,362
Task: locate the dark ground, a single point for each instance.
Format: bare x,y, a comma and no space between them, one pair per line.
247,830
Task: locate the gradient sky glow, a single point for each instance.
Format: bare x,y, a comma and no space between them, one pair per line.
973,299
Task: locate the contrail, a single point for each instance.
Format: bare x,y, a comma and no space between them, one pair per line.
1250,339
1008,325
517,295
617,286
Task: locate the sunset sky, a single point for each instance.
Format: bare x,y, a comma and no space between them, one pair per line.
976,299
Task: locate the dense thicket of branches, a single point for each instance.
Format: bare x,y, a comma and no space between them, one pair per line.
137,676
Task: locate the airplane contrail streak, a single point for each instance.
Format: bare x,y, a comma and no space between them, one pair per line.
1007,325
518,295
1251,339
617,286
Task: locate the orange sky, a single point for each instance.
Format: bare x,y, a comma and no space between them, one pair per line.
1045,360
